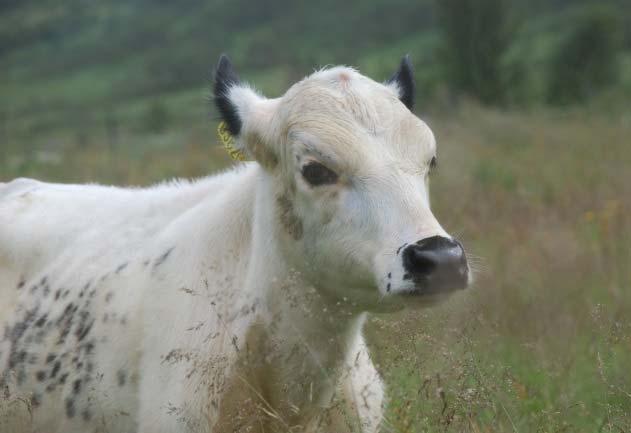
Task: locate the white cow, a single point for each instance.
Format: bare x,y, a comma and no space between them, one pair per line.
234,303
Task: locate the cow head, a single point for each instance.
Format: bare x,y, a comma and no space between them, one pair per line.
349,165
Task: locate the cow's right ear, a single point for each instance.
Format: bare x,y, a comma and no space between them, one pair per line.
245,112
403,82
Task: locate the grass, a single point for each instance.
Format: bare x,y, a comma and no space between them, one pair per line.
543,342
541,201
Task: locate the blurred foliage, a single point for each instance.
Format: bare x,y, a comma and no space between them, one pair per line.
475,38
587,59
157,117
65,67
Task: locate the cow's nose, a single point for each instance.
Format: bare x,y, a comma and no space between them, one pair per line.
436,264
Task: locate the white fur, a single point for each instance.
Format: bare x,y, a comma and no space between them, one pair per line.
209,309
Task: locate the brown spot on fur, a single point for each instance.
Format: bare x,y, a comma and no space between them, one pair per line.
289,220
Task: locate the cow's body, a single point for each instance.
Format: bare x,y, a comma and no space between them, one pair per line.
127,309
235,303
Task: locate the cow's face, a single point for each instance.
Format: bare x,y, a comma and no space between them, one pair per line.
350,165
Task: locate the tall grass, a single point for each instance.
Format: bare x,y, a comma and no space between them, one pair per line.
543,341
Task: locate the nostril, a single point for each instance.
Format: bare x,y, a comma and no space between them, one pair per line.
419,261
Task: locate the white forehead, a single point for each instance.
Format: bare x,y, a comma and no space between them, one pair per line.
347,114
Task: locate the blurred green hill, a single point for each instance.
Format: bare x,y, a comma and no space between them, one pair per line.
88,70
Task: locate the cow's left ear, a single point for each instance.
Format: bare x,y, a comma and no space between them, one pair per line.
403,82
246,113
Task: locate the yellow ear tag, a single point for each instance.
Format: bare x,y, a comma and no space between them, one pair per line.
228,142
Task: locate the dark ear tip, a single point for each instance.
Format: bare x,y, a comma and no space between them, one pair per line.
225,71
224,78
406,63
225,75
223,63
404,78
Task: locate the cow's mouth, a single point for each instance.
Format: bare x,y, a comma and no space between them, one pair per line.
428,291
439,283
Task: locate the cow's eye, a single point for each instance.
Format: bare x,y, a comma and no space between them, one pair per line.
433,164
317,174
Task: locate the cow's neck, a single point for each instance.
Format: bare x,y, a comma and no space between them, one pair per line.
306,334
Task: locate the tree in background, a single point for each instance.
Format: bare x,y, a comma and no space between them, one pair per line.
475,38
586,61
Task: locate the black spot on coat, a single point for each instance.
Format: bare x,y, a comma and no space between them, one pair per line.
63,378
86,415
82,331
121,377
160,260
55,369
70,408
41,321
89,347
